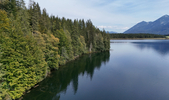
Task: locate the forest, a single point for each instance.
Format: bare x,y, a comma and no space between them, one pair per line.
132,36
33,43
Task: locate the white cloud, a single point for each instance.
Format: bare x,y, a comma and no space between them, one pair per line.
110,27
113,27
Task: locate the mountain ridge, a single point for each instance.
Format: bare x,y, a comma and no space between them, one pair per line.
159,26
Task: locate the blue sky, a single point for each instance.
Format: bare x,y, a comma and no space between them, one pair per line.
112,15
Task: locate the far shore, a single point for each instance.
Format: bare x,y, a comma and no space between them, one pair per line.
140,39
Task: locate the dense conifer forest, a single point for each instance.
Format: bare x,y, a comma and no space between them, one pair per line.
32,43
135,36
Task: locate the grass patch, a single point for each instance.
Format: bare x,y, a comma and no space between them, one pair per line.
167,37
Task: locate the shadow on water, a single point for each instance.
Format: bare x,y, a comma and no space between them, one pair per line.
162,47
58,81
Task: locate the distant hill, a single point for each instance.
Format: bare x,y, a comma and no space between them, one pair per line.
159,26
111,32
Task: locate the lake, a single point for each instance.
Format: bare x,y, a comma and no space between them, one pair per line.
131,70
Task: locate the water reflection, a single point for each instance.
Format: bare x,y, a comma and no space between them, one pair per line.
162,47
59,81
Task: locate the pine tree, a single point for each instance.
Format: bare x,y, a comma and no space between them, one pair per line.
75,38
90,35
23,18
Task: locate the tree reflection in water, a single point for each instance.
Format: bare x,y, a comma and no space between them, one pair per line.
58,81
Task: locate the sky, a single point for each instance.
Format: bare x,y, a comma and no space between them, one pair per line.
111,15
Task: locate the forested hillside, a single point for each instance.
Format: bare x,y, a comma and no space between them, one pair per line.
32,43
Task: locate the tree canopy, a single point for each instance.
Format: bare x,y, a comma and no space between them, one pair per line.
32,43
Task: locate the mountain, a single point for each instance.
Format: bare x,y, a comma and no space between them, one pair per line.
111,32
159,26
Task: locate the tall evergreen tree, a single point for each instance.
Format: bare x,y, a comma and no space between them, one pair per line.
32,44
23,18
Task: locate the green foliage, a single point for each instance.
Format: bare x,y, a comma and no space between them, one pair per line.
32,44
4,21
99,45
23,18
82,48
63,46
51,51
21,60
4,26
69,48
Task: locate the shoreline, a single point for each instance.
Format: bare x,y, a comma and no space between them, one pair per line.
77,57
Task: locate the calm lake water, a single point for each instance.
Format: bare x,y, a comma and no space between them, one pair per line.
132,70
